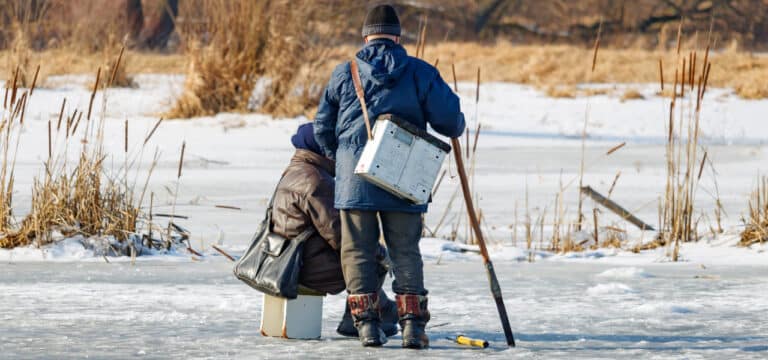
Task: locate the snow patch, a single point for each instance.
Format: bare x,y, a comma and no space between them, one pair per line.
610,289
624,273
64,250
443,250
79,249
665,307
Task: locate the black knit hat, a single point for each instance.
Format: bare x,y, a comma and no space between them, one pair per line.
382,19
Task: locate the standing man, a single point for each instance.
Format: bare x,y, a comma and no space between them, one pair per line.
393,83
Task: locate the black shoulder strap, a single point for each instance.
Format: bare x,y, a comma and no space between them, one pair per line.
272,201
304,235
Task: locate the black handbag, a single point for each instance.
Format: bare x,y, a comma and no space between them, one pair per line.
272,263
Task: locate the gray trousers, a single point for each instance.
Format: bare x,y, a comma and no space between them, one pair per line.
359,244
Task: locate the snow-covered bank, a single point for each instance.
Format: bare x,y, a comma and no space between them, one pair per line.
700,253
519,112
439,252
528,147
80,249
527,116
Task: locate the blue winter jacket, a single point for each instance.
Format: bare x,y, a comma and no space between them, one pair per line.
394,83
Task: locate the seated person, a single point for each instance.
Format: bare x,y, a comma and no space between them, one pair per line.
304,198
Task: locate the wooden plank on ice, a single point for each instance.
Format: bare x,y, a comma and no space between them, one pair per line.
616,208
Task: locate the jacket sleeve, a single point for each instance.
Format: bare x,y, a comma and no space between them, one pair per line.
319,207
327,115
442,108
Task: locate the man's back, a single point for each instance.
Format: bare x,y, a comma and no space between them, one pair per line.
393,83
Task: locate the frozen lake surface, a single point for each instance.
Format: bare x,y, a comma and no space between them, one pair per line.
199,310
63,302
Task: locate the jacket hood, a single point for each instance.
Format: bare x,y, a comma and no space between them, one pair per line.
383,61
305,139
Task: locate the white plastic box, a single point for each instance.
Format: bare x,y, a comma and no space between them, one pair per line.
402,159
299,318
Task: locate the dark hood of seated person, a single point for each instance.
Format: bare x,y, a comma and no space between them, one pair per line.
304,199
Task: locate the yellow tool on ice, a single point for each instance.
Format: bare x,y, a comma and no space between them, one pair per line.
463,340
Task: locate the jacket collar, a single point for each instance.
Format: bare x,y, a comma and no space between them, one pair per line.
306,156
381,40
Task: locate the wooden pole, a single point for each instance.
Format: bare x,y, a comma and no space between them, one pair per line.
597,229
616,208
494,282
222,252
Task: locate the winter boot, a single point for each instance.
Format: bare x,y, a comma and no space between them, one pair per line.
388,313
347,325
414,316
364,309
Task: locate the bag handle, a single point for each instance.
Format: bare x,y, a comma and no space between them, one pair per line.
268,215
304,235
360,95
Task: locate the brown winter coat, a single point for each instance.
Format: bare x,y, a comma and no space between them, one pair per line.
304,198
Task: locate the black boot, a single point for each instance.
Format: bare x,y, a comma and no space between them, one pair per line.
347,325
389,318
413,319
364,309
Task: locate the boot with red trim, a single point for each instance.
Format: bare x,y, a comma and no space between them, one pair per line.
414,316
365,311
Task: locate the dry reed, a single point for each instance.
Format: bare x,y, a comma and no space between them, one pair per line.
228,54
20,50
119,76
756,225
541,66
83,199
631,94
676,213
596,49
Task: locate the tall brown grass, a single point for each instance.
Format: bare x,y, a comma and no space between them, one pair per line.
86,198
67,61
279,41
309,37
756,222
63,35
560,67
685,160
19,57
554,69
113,65
225,55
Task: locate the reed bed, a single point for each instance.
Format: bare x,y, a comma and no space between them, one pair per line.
278,41
553,69
84,199
559,68
119,77
756,222
565,235
225,55
19,58
685,158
